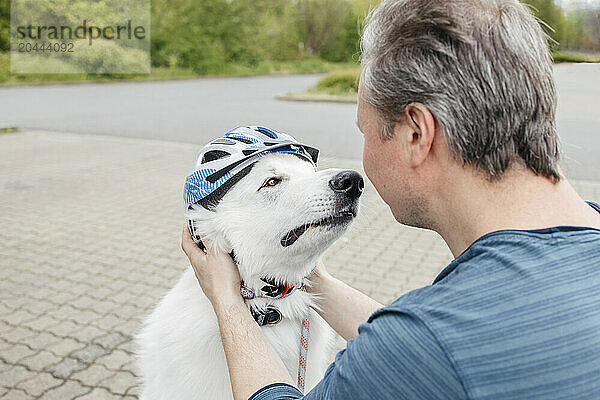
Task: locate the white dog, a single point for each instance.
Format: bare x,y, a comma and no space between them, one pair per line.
277,221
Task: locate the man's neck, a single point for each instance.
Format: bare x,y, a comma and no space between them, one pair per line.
472,206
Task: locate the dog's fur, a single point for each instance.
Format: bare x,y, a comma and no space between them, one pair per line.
180,353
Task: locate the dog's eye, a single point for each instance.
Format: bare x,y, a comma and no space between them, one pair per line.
271,182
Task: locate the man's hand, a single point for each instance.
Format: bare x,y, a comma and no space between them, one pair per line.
216,272
251,359
317,278
343,307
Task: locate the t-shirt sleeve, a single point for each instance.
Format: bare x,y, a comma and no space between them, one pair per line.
395,356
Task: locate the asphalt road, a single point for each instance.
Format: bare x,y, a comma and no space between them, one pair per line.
197,110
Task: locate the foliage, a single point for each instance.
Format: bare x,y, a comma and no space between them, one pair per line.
4,25
340,82
552,19
325,27
241,37
574,28
582,27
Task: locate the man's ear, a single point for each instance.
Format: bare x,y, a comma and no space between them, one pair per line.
419,131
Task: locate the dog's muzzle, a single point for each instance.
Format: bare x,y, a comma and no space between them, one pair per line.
348,183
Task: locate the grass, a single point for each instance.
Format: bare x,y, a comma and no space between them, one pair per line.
303,66
339,85
340,82
560,57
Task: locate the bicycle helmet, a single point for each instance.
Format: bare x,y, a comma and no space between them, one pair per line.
225,160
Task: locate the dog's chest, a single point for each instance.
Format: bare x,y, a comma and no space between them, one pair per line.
285,335
285,339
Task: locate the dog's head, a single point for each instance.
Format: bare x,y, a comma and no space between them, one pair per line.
281,216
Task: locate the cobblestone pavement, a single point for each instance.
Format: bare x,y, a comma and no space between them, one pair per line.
90,241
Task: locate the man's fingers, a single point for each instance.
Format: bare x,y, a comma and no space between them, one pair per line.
187,243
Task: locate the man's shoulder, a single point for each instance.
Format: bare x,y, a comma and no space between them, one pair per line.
506,270
517,295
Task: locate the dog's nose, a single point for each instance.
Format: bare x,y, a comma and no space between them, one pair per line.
348,182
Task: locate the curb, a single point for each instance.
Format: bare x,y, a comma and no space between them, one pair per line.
318,98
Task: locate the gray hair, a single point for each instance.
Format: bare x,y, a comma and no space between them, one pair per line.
483,69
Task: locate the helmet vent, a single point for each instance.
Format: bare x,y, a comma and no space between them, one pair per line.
266,132
213,155
239,139
222,141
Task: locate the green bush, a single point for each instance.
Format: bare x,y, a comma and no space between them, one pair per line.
4,67
340,82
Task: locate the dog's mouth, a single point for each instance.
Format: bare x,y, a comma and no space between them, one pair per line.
343,217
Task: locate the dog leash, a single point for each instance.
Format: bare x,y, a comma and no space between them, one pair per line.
272,316
303,350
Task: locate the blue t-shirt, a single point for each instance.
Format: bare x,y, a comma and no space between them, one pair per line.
516,316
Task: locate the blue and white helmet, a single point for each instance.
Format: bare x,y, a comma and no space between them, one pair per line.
225,160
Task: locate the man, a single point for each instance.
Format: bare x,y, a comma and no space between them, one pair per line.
457,107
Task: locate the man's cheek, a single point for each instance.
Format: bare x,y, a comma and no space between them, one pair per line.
370,163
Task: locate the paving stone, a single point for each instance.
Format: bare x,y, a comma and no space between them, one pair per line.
15,375
127,312
134,391
17,394
130,327
63,297
43,294
66,367
93,375
40,340
99,394
84,317
85,302
16,334
89,353
40,360
68,390
40,323
111,340
88,333
64,329
104,306
21,315
65,346
131,366
115,360
120,382
15,353
128,347
107,322
40,308
4,366
5,345
39,383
